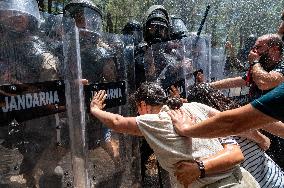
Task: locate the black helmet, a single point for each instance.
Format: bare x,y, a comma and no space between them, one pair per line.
12,10
157,13
178,28
133,28
156,25
86,14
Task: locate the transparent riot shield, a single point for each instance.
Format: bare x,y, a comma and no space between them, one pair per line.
34,134
218,61
165,64
105,59
198,51
51,29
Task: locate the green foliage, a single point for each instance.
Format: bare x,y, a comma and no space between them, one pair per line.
227,20
52,6
232,20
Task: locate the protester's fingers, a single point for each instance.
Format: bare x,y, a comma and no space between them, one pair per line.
182,112
174,113
101,95
192,118
177,166
94,97
174,90
98,96
179,112
84,81
185,185
171,93
104,96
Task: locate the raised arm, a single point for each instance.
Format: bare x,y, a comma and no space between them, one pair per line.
113,121
228,83
226,159
266,80
276,128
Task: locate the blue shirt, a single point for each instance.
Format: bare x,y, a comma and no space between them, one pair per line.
272,103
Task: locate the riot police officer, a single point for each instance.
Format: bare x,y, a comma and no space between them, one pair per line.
86,14
178,28
134,29
88,19
24,58
156,30
101,55
156,27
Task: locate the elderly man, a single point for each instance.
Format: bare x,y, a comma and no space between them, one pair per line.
266,70
265,73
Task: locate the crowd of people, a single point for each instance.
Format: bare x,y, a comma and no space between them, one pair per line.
265,73
204,140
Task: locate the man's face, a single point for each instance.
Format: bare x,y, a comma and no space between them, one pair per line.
200,77
260,47
80,19
269,55
158,31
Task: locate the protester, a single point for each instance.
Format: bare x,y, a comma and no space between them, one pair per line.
236,63
198,76
265,72
154,124
252,143
266,109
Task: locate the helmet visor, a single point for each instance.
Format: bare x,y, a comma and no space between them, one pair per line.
87,18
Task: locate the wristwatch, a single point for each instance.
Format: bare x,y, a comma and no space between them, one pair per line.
201,168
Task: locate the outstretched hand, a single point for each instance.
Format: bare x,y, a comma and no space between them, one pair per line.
187,172
174,92
181,121
98,100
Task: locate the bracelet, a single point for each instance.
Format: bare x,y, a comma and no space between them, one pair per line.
201,168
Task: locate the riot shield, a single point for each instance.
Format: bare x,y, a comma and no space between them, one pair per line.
105,59
165,64
198,51
218,61
51,28
33,129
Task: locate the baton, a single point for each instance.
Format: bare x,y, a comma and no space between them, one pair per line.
202,23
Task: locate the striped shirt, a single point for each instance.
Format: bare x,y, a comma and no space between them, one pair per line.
265,171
